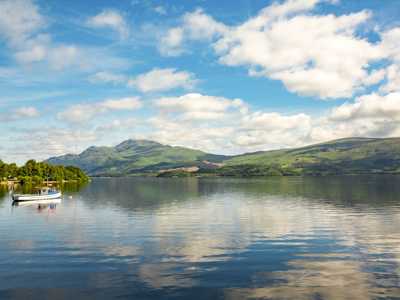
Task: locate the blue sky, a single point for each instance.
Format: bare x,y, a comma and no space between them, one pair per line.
225,77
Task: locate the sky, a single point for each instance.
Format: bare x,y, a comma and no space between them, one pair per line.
225,77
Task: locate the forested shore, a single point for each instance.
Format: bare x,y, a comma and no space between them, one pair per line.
39,172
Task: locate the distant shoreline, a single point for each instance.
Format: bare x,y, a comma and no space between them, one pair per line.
238,176
12,182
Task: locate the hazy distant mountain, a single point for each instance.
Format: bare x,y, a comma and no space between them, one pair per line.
134,156
345,156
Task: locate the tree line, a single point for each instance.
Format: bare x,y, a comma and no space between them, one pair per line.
34,171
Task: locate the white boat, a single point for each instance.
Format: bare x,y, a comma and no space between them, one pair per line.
43,194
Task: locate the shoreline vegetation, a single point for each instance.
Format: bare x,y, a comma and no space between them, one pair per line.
34,172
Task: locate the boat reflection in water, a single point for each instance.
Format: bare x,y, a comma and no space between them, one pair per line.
41,204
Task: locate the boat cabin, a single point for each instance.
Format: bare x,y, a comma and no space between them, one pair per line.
46,191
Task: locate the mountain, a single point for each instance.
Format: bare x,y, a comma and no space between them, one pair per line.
344,156
134,156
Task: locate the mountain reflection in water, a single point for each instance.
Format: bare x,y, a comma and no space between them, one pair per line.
275,238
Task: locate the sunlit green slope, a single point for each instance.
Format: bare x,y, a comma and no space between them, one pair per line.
344,156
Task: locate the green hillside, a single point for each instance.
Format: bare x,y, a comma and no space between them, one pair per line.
344,156
132,157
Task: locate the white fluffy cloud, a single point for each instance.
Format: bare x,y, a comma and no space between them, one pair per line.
41,144
171,43
229,126
200,107
158,80
26,112
20,113
161,10
373,106
107,77
199,25
371,115
80,113
313,55
391,45
117,124
21,25
155,80
393,79
274,121
222,125
130,103
24,30
36,53
19,20
42,49
259,129
63,56
110,19
195,25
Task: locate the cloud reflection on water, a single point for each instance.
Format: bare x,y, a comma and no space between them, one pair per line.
276,239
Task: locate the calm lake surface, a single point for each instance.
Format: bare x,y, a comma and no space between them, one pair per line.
147,238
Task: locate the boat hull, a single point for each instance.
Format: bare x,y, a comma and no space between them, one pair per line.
37,202
21,197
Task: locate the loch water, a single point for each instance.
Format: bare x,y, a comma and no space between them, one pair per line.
210,238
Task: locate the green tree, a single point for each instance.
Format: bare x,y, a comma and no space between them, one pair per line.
12,170
38,172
